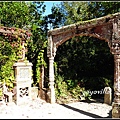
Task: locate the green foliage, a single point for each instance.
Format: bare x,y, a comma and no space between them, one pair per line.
86,10
1,93
25,15
77,92
86,95
38,43
14,14
60,87
76,13
69,89
8,55
1,88
99,9
40,62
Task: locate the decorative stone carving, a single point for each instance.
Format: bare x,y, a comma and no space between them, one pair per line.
115,47
51,49
101,28
115,50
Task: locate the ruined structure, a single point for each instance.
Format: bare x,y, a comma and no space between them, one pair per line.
22,68
105,28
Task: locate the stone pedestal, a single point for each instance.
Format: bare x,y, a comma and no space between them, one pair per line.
108,95
23,80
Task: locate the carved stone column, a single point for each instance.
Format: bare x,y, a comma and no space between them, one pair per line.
51,52
115,49
116,103
51,93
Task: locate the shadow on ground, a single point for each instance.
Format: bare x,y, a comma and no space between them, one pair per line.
87,113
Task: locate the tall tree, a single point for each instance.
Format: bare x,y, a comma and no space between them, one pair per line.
38,44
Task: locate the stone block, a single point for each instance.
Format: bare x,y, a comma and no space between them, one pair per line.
107,95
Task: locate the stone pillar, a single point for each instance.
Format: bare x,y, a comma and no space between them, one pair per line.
51,80
116,102
23,81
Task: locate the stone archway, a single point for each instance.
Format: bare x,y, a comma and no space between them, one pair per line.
104,28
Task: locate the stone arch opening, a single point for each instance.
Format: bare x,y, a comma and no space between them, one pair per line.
82,71
105,28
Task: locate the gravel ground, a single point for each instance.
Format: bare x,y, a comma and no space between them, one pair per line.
39,109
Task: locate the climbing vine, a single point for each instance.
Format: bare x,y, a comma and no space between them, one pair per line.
10,51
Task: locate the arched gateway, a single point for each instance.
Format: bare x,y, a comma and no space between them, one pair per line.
104,28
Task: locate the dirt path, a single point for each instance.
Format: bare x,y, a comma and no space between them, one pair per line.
39,109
